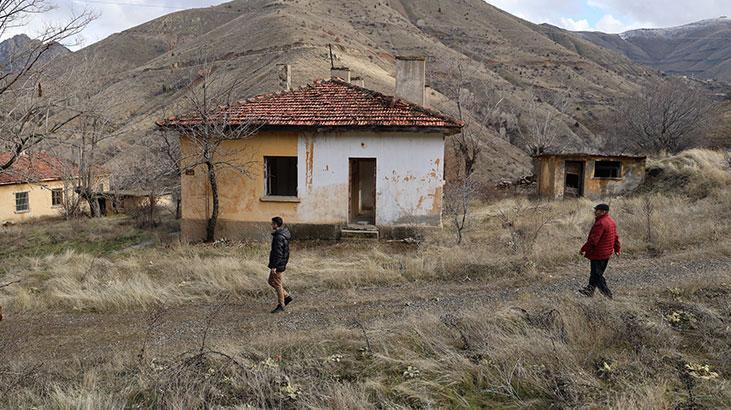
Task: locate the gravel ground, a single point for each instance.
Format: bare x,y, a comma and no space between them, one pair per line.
60,336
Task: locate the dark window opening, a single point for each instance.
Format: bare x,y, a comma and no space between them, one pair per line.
281,176
608,169
56,197
21,202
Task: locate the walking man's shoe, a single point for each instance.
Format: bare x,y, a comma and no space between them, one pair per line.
278,309
288,300
588,292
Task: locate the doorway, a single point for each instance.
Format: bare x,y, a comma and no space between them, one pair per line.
362,206
574,182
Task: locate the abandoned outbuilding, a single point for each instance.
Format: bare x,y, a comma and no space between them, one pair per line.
332,158
588,175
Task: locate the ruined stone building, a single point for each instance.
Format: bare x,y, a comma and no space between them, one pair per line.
589,175
330,158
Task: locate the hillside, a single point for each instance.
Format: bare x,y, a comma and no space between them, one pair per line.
701,49
17,47
141,74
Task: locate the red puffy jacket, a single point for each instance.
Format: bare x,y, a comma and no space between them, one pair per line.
603,239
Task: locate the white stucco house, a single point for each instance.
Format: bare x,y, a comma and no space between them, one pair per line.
331,158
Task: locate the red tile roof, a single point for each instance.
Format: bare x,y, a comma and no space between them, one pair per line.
325,103
31,168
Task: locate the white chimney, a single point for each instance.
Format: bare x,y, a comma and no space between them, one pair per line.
284,76
411,79
342,73
359,81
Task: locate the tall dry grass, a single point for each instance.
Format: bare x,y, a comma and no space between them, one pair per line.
542,353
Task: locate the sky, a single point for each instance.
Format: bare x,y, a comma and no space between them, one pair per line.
612,16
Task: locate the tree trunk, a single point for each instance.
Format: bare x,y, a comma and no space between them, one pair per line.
93,205
178,208
211,228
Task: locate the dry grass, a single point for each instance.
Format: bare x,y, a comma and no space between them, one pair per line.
540,353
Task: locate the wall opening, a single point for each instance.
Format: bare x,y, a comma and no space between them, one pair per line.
608,169
574,180
362,206
280,175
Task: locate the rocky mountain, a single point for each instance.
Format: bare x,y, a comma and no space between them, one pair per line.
19,47
701,49
495,61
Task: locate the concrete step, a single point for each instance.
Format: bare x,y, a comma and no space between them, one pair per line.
347,234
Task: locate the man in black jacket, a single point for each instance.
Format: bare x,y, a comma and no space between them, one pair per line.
278,258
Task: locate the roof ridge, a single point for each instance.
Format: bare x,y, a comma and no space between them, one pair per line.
394,98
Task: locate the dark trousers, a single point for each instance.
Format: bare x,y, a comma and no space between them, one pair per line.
596,280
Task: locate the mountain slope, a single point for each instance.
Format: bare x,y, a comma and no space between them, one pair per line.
17,48
701,49
143,73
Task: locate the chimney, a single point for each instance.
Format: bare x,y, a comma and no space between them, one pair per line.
359,81
284,77
411,79
342,73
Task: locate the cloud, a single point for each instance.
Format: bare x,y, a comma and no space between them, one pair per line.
575,25
112,16
609,24
664,13
614,15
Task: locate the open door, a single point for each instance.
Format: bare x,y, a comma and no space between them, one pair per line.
574,182
362,207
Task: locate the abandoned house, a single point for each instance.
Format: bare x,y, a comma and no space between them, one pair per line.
33,187
332,158
589,175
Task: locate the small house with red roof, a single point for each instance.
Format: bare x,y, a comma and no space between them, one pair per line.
332,158
33,187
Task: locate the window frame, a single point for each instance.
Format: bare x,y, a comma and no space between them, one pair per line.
619,169
268,195
53,198
27,202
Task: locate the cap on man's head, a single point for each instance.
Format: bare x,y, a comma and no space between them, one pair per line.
602,207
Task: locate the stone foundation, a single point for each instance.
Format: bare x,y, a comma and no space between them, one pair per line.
195,231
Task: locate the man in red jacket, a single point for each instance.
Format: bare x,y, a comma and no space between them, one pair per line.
603,241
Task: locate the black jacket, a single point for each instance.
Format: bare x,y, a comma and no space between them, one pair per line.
279,255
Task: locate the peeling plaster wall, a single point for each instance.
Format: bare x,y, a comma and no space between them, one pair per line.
409,181
409,176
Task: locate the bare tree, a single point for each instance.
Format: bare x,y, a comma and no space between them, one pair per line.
152,171
27,114
209,124
666,117
540,129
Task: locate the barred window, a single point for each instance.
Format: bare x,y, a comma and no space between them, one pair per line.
56,197
21,202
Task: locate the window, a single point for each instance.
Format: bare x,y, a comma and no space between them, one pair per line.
56,197
608,169
21,202
281,176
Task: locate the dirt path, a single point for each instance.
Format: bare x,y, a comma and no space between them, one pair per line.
67,335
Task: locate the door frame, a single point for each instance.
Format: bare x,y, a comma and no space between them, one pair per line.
582,171
353,200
